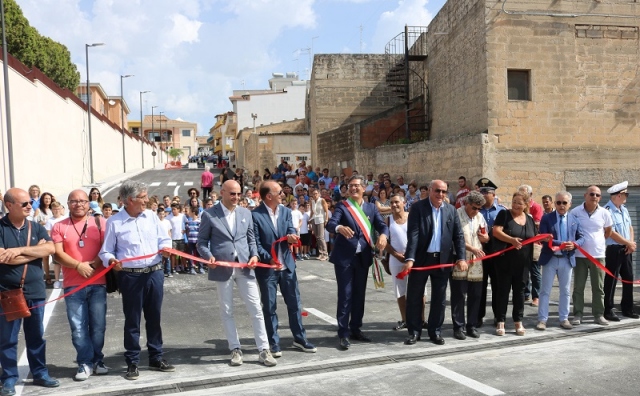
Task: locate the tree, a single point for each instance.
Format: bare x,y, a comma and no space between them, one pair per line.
34,50
175,153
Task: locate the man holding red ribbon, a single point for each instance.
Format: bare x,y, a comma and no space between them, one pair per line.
596,225
226,238
272,224
353,222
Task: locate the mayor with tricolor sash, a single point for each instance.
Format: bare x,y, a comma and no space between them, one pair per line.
354,222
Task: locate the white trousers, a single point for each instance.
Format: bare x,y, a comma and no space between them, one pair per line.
250,294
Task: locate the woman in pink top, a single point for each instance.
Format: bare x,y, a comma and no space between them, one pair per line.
206,182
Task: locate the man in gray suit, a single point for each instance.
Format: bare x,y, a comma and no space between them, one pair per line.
226,234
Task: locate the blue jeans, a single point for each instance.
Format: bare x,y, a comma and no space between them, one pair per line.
561,267
34,338
142,293
87,312
288,282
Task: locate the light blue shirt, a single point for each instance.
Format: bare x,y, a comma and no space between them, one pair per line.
436,217
621,222
128,236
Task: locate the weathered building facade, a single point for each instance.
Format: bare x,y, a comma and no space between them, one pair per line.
521,91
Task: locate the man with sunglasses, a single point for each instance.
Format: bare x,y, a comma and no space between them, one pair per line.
620,247
566,230
16,252
434,236
596,225
272,221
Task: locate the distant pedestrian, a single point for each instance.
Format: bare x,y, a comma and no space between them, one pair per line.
206,182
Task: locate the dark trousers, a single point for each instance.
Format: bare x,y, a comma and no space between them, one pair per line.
488,271
288,282
532,282
415,291
206,192
462,290
142,293
620,264
352,285
505,283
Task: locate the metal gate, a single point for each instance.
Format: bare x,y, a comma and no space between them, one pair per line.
633,206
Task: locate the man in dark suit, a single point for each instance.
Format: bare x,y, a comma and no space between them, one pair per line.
272,221
353,221
434,236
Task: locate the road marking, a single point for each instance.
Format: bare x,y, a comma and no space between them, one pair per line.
188,184
175,190
111,189
23,363
461,379
171,184
154,184
322,316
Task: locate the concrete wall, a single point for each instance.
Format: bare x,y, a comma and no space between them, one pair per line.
50,137
581,126
272,107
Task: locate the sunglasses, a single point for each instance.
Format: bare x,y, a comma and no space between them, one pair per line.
595,194
25,204
440,191
277,192
558,203
626,194
475,208
235,194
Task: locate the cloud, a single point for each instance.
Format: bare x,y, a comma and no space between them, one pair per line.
184,30
391,23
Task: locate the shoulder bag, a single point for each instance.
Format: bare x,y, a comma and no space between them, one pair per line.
13,302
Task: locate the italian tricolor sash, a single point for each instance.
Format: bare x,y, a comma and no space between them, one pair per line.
361,219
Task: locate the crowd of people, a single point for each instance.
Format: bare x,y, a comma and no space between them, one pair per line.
346,220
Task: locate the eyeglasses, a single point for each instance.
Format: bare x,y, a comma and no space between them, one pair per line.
235,194
626,194
440,191
142,197
277,192
475,208
595,194
354,185
558,203
81,202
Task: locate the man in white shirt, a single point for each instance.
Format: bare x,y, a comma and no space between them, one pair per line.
596,223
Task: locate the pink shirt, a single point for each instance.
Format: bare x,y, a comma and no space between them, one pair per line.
68,234
536,211
206,180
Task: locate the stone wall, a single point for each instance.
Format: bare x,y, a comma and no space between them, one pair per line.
345,89
581,125
249,153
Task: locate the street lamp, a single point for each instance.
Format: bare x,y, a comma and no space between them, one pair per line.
254,116
124,159
7,99
141,134
161,135
153,131
89,108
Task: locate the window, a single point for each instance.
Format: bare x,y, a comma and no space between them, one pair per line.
518,82
83,97
286,158
186,132
154,136
135,130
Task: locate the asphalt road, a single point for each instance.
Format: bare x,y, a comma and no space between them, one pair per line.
590,360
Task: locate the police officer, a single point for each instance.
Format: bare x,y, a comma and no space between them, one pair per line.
489,211
620,246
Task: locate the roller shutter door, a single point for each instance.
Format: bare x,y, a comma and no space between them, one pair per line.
633,206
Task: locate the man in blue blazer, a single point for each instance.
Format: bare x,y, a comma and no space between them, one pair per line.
272,221
353,222
434,236
226,234
566,229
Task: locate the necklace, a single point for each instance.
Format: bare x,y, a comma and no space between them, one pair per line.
84,231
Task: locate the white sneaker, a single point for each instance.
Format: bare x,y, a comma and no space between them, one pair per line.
100,369
601,321
84,372
266,358
57,285
236,357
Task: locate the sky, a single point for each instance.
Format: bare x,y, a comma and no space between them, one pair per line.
191,54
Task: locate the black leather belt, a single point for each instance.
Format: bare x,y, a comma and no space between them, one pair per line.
433,254
616,246
144,270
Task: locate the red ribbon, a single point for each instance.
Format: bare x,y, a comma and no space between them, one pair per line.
104,271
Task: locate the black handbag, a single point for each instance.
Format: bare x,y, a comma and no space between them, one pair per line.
110,277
